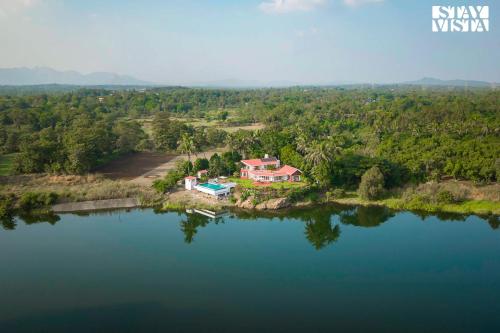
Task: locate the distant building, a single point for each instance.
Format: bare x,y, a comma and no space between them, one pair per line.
268,169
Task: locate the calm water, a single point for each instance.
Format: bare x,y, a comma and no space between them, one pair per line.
316,270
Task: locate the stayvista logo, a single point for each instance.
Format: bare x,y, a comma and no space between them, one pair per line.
460,18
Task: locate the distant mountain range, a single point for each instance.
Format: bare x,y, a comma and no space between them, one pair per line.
236,83
23,76
44,75
429,81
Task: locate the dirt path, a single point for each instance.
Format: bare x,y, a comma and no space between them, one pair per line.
147,178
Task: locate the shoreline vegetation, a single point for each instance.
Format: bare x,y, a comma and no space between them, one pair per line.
39,193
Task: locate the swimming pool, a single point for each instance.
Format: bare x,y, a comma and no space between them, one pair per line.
215,187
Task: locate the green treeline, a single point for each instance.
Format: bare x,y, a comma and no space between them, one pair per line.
334,135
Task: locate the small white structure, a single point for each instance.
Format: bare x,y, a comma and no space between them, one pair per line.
202,173
190,183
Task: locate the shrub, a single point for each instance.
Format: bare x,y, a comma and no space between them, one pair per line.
6,206
167,183
298,194
245,195
313,196
336,193
445,197
34,200
372,184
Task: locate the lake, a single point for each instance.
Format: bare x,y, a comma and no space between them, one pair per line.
321,269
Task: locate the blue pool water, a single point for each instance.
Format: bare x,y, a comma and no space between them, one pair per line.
214,187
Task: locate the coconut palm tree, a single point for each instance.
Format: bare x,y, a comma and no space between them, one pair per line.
323,151
187,146
302,144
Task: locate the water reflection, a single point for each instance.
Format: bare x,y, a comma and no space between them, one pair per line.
9,223
322,225
494,222
190,225
366,216
320,232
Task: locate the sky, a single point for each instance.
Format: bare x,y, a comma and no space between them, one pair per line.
197,41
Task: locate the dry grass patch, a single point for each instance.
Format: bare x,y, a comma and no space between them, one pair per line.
78,188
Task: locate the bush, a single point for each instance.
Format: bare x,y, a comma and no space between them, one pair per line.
34,200
372,184
167,183
298,194
6,206
245,195
336,193
313,196
445,197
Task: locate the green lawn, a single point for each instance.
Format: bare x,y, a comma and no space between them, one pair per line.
6,164
248,184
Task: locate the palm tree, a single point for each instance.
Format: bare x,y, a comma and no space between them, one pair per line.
324,151
302,144
240,141
187,146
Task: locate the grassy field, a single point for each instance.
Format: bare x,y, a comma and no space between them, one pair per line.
147,124
6,164
249,184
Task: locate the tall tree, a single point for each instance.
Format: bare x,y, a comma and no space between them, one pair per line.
187,146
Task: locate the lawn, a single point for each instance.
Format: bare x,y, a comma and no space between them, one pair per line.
249,184
6,164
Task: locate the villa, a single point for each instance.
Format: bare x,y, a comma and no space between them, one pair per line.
268,169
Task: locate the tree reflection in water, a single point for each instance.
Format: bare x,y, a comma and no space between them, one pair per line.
320,233
189,227
366,216
11,224
321,229
8,223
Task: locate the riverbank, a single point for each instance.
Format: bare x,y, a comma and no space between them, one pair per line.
186,200
89,192
24,193
478,207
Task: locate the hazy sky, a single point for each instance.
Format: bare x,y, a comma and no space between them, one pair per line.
304,41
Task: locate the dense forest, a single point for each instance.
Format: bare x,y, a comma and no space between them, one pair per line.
333,134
